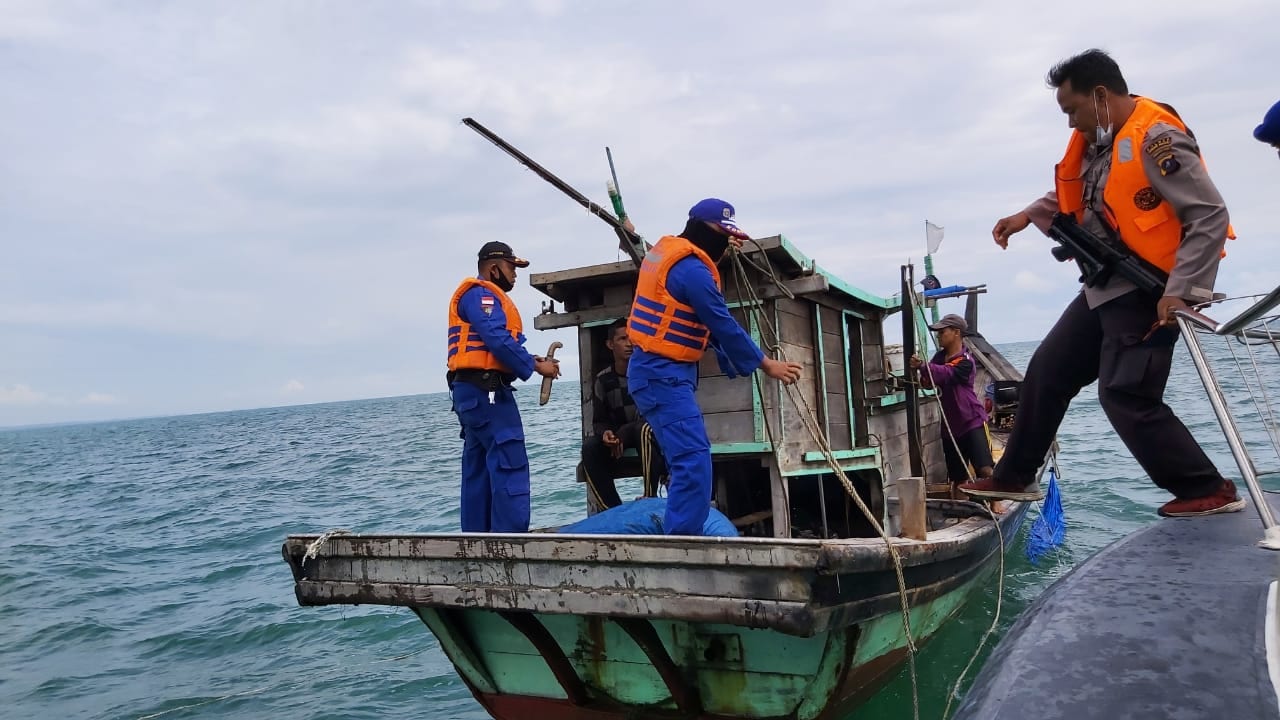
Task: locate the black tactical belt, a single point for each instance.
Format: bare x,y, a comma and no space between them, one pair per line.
488,380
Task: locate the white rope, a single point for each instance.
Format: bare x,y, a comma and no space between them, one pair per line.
313,549
995,619
811,424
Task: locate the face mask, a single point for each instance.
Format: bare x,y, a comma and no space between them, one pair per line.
1105,134
499,278
709,241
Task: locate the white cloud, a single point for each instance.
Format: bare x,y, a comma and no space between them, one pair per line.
20,394
293,386
1031,281
242,209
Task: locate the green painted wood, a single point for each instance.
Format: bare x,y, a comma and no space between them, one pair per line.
817,456
457,648
742,448
896,398
608,660
885,633
771,678
513,663
826,469
834,280
737,672
826,678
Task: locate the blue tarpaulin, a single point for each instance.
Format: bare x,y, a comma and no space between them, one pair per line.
644,517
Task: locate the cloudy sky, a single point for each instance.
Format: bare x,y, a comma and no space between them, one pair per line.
210,206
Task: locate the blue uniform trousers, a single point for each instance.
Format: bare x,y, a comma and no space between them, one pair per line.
669,406
495,468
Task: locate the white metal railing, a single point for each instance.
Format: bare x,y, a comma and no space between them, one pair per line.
1250,330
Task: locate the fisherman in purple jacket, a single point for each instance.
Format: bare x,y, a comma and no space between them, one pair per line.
964,434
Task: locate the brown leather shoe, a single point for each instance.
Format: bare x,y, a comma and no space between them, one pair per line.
990,488
1225,500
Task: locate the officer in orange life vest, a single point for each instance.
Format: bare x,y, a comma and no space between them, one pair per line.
677,313
1132,171
486,353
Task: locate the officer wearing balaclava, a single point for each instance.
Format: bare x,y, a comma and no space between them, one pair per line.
679,312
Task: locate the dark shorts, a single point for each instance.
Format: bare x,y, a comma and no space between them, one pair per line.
971,448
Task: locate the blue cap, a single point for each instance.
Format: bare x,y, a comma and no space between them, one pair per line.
714,210
1269,131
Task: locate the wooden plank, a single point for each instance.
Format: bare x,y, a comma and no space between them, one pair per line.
840,438
835,378
780,500
728,427
873,362
795,618
809,285
586,374
911,504
720,394
561,283
833,346
552,321
838,409
708,367
620,294
795,322
752,518
796,435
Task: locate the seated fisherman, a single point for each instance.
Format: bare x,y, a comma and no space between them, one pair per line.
617,426
964,434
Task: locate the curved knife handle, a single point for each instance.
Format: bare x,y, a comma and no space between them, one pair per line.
546,381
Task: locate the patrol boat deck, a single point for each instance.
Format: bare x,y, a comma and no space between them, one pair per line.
1178,620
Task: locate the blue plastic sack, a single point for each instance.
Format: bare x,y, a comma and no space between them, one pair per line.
644,517
1050,529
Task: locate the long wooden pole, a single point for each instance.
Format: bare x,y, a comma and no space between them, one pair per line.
628,240
909,349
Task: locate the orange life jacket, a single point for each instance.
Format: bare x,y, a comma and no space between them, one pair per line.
1145,221
659,323
466,350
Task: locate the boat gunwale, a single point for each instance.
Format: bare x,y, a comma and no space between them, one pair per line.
825,557
791,617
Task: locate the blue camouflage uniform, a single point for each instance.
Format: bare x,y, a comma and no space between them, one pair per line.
663,390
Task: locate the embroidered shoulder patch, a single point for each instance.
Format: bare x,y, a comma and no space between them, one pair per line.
1159,146
1168,164
1146,199
486,304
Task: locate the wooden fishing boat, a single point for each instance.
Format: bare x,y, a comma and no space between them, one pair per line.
803,616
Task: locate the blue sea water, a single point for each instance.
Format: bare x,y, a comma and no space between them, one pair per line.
141,576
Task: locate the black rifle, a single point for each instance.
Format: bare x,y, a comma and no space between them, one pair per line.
1098,258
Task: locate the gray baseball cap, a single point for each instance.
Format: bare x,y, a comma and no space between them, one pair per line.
951,321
